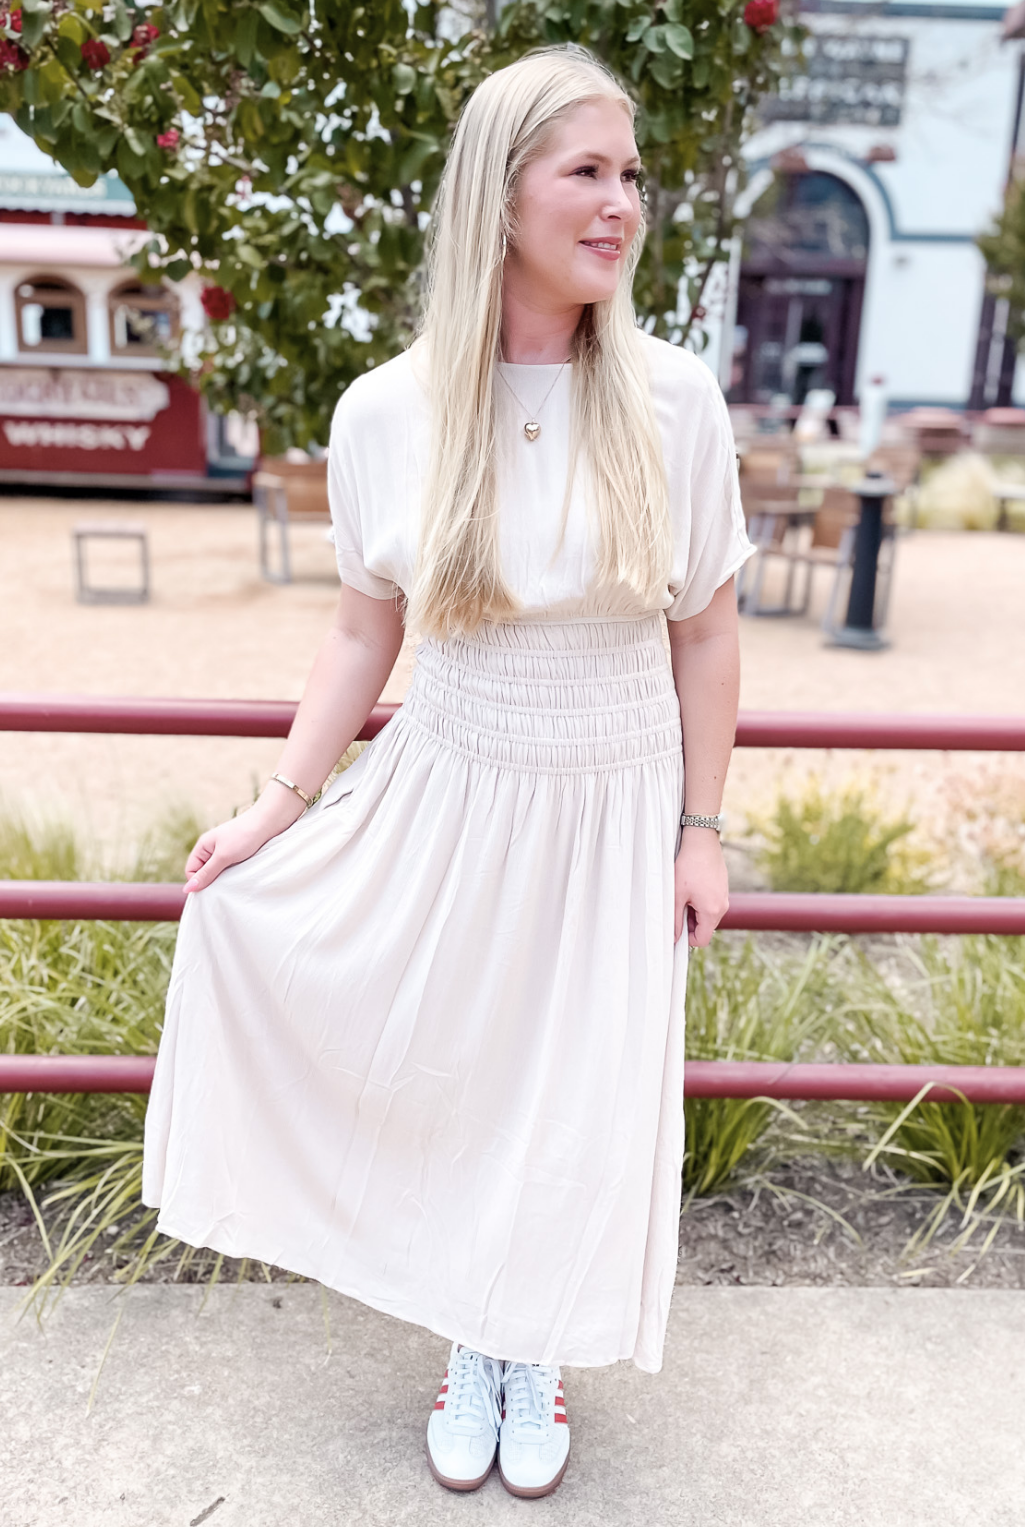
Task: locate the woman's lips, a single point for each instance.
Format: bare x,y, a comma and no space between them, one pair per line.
611,251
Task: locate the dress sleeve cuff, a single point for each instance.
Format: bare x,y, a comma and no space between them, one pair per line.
353,573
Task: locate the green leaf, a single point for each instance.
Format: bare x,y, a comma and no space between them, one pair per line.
403,78
280,20
72,27
129,165
249,255
655,39
637,28
666,71
52,80
69,53
271,91
245,38
187,93
33,26
122,21
177,270
679,40
106,139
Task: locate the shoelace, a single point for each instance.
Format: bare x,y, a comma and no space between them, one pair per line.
474,1384
529,1400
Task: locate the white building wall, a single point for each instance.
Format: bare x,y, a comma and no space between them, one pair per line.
925,277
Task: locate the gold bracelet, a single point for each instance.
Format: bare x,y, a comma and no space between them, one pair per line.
291,784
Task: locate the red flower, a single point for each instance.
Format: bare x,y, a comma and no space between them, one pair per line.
143,38
760,15
217,303
14,21
11,56
168,139
95,53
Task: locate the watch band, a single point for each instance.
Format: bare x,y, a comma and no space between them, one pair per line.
716,822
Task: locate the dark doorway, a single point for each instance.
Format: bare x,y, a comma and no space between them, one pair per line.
802,282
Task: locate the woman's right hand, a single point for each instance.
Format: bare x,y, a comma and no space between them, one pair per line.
239,839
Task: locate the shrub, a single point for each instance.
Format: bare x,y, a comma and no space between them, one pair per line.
839,842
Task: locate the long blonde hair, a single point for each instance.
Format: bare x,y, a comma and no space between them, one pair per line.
506,124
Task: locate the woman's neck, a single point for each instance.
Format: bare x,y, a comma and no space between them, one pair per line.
533,338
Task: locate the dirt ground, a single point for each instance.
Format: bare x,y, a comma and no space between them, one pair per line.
215,628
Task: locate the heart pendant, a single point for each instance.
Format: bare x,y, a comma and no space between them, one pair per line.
532,430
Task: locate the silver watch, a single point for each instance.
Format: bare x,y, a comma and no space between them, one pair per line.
718,823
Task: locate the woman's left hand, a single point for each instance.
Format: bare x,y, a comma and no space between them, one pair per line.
702,886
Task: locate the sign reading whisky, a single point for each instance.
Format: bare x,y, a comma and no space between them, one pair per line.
846,78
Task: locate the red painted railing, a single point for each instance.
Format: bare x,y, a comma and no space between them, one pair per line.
754,911
762,911
272,718
704,1079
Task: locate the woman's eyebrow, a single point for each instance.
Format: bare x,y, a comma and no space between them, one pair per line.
587,153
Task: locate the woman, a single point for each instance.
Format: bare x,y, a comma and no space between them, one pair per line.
424,1038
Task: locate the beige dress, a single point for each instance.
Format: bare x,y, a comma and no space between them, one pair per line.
426,1046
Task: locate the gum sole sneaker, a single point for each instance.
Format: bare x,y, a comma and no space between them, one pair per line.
533,1445
462,1433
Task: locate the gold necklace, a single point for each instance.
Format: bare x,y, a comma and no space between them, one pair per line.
532,429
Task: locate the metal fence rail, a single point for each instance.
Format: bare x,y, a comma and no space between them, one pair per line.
703,1079
762,911
272,718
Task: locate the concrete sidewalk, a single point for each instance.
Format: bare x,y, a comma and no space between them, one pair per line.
820,1407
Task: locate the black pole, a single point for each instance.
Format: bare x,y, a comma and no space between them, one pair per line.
859,629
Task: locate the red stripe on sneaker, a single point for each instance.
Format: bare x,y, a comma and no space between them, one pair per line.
440,1405
562,1417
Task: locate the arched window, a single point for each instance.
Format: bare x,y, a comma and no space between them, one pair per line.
51,316
803,219
142,319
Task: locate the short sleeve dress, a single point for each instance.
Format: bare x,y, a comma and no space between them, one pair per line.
426,1046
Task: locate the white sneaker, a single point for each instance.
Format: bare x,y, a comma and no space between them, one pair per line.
462,1433
533,1447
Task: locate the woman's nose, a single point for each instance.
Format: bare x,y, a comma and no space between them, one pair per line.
618,202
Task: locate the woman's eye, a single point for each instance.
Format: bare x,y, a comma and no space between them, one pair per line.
592,169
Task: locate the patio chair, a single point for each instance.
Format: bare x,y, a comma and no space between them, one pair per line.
285,493
769,495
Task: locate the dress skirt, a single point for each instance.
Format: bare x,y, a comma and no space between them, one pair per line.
426,1046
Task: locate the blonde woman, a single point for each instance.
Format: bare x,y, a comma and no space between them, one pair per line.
424,1038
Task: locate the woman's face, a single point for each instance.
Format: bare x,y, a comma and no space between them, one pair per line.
577,209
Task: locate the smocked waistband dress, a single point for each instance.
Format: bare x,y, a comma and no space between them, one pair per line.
426,1045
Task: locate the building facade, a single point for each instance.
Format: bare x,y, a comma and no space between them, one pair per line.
85,395
868,181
